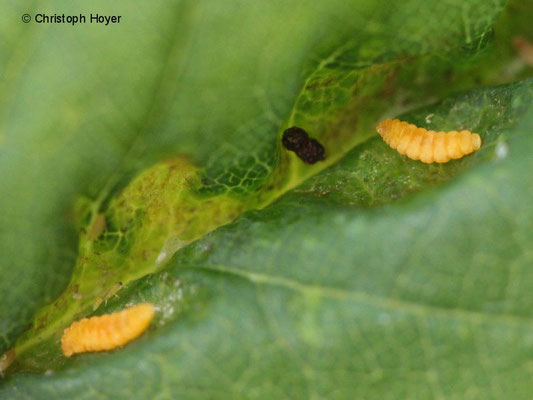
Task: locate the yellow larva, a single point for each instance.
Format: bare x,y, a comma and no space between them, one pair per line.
106,332
427,146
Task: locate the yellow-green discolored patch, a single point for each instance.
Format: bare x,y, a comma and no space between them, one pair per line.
154,216
136,232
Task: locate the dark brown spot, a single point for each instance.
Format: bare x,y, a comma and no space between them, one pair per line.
311,152
294,138
308,149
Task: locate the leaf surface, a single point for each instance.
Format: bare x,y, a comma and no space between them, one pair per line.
350,283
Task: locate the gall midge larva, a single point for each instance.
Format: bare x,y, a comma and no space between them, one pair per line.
427,146
108,331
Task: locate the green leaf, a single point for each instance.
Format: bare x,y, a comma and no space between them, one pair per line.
317,296
176,80
331,291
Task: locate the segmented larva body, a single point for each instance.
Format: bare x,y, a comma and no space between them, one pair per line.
427,146
107,332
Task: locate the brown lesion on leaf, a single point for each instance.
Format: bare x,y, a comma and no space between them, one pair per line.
112,291
97,227
524,48
76,295
321,83
41,322
5,361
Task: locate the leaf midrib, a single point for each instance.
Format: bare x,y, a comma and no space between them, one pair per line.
395,304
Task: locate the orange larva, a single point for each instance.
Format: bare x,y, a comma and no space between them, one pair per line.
106,332
427,146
